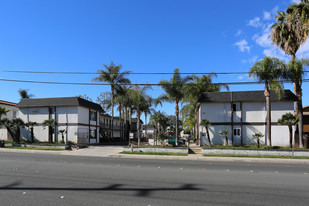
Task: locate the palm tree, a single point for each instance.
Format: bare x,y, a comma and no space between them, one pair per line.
51,124
31,125
174,92
112,75
289,33
257,137
120,98
269,71
62,132
3,111
159,119
13,127
206,123
289,120
225,133
295,72
24,94
139,98
193,92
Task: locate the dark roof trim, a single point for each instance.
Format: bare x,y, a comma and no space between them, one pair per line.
59,102
244,96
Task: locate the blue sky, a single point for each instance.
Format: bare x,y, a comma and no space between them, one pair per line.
143,36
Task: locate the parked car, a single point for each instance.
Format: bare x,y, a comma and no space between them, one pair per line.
172,140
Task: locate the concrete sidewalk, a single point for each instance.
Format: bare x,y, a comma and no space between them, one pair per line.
113,151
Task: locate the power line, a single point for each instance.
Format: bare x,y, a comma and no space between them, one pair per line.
131,84
143,73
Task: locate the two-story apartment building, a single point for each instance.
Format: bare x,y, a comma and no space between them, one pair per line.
12,114
243,113
77,116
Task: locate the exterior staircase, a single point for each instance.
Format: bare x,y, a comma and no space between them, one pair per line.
194,149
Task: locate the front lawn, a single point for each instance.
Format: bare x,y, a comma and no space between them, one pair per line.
262,147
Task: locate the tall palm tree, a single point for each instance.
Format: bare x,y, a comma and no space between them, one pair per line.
295,72
174,92
269,71
120,98
159,119
112,75
31,125
50,124
289,120
24,94
139,98
289,33
104,99
206,123
193,92
148,109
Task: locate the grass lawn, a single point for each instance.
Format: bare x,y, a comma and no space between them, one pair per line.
33,148
155,153
256,156
262,147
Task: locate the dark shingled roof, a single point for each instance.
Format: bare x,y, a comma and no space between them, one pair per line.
59,102
244,96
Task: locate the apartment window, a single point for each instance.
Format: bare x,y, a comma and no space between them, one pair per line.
236,132
236,107
14,114
93,116
93,133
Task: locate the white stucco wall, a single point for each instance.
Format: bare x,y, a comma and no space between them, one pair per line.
252,112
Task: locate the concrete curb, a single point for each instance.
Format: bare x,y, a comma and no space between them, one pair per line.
163,157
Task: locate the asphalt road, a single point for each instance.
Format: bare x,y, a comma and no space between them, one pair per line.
47,179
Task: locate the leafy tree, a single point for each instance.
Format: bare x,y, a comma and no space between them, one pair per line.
84,97
172,124
112,75
225,133
24,94
257,137
104,100
162,138
289,33
62,132
31,125
206,123
174,92
289,120
269,71
50,124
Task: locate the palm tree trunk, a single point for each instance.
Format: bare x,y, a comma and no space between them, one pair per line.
291,140
32,138
146,124
208,136
112,98
268,109
138,126
120,120
300,114
177,116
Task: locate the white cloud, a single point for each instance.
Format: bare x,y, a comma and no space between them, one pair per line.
255,22
276,52
243,45
267,15
295,1
264,40
238,33
303,50
251,60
